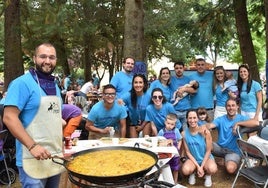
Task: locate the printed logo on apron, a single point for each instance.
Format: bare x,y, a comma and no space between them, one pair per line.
46,130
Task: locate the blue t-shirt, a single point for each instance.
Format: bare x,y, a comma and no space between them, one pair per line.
25,94
226,138
137,114
201,122
176,82
204,95
158,116
101,117
221,96
249,100
67,82
196,145
122,82
166,89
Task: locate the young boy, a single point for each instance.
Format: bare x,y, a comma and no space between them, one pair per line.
173,134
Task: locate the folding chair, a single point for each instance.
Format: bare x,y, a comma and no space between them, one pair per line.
265,122
7,175
244,131
257,174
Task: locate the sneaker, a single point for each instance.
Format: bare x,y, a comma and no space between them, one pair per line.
208,182
191,179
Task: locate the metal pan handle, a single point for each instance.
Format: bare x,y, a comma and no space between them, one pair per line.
56,159
136,145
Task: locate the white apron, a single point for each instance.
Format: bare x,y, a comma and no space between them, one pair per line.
46,130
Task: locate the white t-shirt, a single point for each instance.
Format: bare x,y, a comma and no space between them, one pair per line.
87,87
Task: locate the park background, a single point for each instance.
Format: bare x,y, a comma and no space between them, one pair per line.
96,35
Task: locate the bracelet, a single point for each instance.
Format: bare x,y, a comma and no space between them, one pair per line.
30,148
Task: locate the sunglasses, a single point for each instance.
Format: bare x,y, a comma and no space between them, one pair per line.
159,97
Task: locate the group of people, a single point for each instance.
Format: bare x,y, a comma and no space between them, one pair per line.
71,88
33,114
148,109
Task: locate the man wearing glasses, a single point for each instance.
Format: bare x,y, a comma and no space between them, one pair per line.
33,115
107,115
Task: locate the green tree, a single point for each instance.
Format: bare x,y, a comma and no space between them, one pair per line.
245,39
266,42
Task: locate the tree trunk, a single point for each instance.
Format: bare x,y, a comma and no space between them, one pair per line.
134,30
13,64
87,43
245,39
87,58
60,46
266,33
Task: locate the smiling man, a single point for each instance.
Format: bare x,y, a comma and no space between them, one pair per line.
176,85
122,80
32,113
226,125
205,91
107,115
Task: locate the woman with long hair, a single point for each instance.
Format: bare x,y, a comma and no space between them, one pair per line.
219,78
197,142
136,100
163,83
250,92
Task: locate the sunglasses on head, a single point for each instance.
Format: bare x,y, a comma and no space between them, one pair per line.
159,97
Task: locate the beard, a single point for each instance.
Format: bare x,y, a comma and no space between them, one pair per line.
45,69
128,70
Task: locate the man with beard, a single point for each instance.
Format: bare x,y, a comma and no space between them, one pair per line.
176,85
32,113
122,80
106,116
226,126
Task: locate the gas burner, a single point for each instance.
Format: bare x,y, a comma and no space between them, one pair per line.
149,181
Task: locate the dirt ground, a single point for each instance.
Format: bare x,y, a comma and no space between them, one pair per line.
220,180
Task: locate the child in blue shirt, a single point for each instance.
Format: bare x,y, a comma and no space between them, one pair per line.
203,116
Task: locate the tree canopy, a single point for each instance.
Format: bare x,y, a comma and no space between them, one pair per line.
89,35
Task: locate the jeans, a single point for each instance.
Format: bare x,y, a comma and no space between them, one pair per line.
29,182
181,115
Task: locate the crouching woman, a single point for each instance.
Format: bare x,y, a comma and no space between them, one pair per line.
198,145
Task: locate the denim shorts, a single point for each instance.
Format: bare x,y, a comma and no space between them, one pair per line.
29,182
227,154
